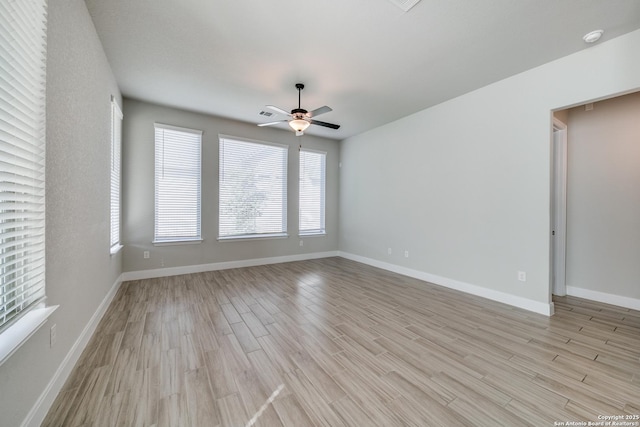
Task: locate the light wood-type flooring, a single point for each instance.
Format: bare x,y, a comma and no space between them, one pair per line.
332,342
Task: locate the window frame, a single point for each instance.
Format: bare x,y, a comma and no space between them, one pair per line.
23,38
115,214
283,233
160,239
322,230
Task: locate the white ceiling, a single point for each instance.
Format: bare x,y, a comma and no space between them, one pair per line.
367,59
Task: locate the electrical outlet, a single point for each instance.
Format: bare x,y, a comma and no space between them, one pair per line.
146,255
301,242
522,276
53,338
389,251
406,254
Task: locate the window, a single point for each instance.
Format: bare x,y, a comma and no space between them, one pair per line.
177,189
253,189
22,161
116,147
312,189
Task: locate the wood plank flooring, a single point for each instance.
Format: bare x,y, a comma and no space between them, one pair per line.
332,342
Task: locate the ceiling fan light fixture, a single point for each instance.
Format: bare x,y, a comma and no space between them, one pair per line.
299,125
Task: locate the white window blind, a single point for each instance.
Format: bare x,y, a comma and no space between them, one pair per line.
23,31
312,191
116,149
253,189
177,184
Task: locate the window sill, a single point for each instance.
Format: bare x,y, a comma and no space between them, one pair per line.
312,234
176,242
254,237
18,333
116,248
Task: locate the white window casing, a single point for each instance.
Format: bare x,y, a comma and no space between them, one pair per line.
178,177
312,183
23,49
253,189
116,171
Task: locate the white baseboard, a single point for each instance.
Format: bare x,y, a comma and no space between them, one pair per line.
199,268
619,300
39,410
513,300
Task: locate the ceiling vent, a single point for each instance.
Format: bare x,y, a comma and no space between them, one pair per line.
405,4
266,113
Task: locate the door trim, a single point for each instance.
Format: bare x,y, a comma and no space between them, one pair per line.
559,208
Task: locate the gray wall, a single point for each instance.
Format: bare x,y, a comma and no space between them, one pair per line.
80,271
465,185
603,200
138,176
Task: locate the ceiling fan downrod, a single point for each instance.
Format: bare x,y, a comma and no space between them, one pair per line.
299,86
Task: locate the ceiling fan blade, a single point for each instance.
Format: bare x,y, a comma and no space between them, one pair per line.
278,110
319,111
272,123
325,124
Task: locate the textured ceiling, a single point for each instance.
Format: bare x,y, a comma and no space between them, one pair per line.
367,59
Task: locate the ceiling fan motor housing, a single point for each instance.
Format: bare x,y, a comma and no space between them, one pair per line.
298,113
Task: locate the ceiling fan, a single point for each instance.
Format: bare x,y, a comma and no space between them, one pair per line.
301,118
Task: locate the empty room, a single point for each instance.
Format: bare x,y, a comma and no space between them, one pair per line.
336,213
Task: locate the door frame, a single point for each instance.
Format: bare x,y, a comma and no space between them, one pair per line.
558,208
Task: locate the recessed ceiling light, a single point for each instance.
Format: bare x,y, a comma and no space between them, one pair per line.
593,36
